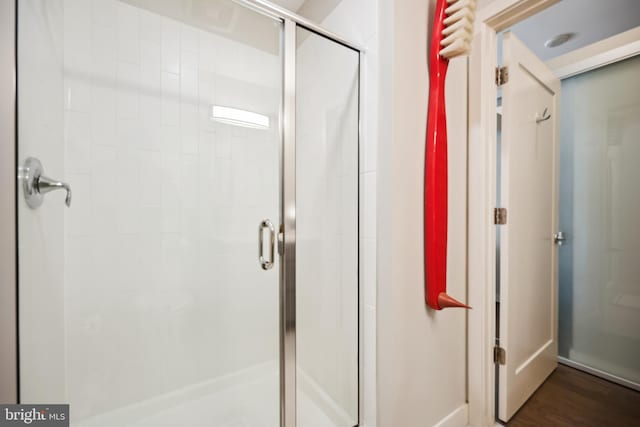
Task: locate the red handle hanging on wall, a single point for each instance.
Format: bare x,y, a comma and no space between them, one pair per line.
435,177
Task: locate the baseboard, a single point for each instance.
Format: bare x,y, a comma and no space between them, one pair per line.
458,418
598,373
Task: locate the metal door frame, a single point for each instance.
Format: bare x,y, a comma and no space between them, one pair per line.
9,384
288,362
9,344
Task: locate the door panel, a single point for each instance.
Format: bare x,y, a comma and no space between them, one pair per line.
600,206
144,302
327,89
528,282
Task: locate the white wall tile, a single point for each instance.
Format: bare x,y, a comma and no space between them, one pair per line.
170,46
190,189
189,85
150,55
150,171
357,20
368,263
77,141
104,186
103,12
368,202
128,135
222,148
369,371
78,220
150,122
77,95
189,130
103,115
128,90
128,37
149,27
189,39
370,111
104,57
170,99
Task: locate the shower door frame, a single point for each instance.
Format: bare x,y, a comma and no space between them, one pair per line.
9,281
287,241
9,360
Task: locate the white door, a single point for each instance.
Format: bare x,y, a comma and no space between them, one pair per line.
528,278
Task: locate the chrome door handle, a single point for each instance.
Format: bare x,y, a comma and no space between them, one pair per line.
36,185
266,224
559,238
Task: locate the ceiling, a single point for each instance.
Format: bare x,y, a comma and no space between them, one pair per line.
590,20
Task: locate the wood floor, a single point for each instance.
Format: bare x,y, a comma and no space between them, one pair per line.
573,398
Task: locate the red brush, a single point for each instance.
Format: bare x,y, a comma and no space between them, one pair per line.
451,37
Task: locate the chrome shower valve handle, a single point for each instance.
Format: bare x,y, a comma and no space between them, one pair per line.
36,185
44,185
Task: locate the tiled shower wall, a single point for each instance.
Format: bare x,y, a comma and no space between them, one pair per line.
160,241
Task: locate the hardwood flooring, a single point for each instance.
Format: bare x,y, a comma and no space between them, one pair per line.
573,398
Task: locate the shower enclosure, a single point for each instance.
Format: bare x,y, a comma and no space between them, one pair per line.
205,270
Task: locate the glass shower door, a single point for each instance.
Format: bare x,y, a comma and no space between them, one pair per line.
144,303
599,300
327,104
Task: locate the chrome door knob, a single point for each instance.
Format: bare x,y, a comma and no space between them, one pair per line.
36,185
559,238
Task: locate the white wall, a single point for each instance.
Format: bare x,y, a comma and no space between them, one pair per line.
421,353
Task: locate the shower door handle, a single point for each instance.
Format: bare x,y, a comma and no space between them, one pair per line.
264,263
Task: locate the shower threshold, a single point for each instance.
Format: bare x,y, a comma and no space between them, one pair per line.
234,400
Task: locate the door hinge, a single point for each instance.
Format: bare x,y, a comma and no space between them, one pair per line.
502,75
500,216
499,355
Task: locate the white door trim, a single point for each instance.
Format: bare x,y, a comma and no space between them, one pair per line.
613,49
495,16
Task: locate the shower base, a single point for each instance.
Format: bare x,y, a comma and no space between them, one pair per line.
236,400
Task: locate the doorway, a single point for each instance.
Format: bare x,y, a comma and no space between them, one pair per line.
484,183
567,312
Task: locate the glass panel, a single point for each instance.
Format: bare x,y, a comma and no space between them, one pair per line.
326,232
599,211
144,303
